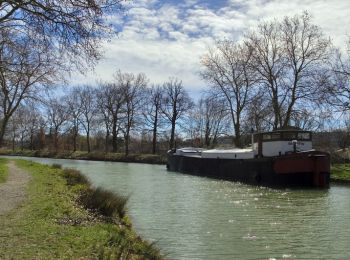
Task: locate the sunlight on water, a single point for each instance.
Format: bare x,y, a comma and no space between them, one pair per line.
199,218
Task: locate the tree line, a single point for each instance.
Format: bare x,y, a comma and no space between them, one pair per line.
119,110
285,72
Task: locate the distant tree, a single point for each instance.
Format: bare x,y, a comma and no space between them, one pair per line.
88,105
35,121
207,121
132,88
152,112
338,82
215,117
110,100
176,102
24,125
74,110
17,128
57,116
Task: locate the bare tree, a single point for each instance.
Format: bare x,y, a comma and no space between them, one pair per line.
34,122
338,82
111,99
25,68
45,38
104,114
152,112
307,118
87,100
207,121
215,116
18,127
132,87
175,103
73,28
227,69
289,56
57,117
259,113
74,110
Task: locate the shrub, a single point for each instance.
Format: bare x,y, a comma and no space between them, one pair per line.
56,166
105,202
74,177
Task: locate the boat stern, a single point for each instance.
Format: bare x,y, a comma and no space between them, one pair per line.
310,168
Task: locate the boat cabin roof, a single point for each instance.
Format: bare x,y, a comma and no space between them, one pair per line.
284,135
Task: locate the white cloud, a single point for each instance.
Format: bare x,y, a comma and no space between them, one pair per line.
164,40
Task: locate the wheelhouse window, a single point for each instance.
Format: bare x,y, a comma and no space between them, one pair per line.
289,136
272,136
284,136
300,136
304,136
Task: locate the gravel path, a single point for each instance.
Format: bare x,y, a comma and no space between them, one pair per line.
13,191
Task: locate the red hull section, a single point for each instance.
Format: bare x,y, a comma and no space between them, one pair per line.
314,162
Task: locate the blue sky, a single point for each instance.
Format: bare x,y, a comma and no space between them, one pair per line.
167,38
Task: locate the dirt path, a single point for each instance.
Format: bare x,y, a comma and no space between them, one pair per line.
13,191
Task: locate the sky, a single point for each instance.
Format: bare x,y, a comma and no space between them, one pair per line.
166,39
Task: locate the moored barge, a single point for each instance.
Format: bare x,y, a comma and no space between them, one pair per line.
283,158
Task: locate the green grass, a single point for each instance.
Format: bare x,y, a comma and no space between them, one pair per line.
3,170
51,224
340,172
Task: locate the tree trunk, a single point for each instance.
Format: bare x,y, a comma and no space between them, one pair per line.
114,138
13,143
56,141
172,135
22,142
75,135
88,141
31,141
237,127
154,139
3,129
127,143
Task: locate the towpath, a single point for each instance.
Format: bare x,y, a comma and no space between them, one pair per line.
13,191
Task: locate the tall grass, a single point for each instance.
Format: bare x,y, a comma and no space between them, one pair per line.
56,166
99,200
75,177
105,202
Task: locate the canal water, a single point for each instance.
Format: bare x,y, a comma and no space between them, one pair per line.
191,217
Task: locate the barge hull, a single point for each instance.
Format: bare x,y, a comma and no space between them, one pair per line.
310,169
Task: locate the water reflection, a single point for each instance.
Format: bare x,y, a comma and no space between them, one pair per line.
200,218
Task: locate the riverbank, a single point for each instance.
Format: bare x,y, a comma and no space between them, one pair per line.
92,156
63,217
340,173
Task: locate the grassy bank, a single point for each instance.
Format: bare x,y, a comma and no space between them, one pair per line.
64,217
3,170
94,156
340,173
